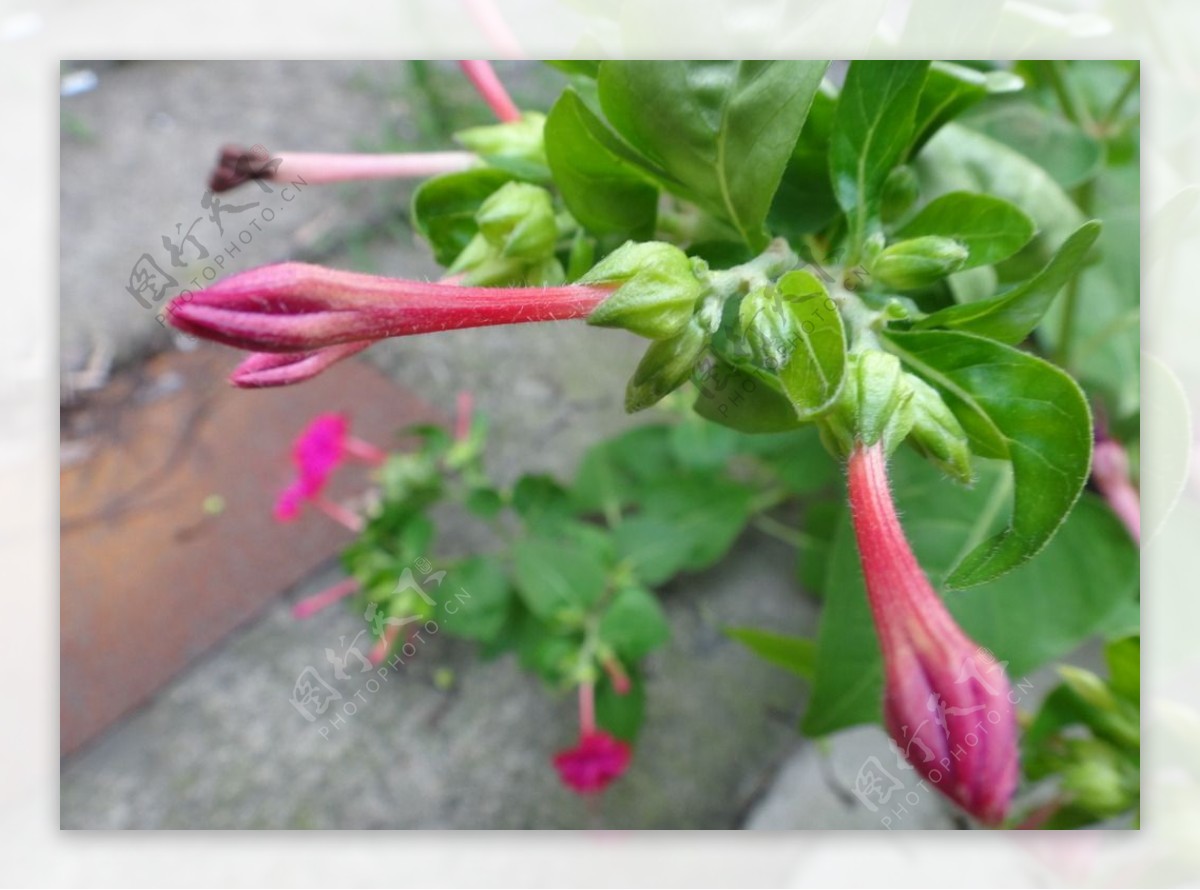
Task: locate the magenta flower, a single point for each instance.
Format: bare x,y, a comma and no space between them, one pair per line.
592,764
946,699
296,307
317,452
598,758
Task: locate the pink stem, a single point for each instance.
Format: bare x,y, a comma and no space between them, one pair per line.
364,451
311,605
489,86
316,168
495,28
462,424
587,709
616,675
339,514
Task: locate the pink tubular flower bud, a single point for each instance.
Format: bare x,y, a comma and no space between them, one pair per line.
236,165
296,307
1110,473
946,699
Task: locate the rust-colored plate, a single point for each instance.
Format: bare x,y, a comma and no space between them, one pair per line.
149,579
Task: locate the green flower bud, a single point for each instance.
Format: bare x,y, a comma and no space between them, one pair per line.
1096,780
518,221
918,262
658,289
666,365
900,191
936,432
768,327
875,404
519,141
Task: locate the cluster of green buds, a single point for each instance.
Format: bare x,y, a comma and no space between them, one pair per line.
881,402
756,317
518,233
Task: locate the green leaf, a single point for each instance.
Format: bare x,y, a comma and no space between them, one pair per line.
795,654
1011,316
813,374
443,208
741,401
721,130
478,592
540,500
1124,658
634,625
705,512
621,715
950,90
960,159
804,201
1015,407
991,229
1055,144
872,130
484,502
556,578
613,474
1030,617
592,168
652,548
582,67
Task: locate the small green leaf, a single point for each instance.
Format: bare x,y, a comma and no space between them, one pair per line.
872,130
812,376
990,228
476,598
1015,407
705,512
795,654
634,624
484,502
556,577
596,174
621,715
721,130
950,90
742,401
1011,316
444,208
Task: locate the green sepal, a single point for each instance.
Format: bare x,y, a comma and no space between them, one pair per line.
657,293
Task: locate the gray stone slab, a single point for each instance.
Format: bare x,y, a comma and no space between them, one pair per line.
225,748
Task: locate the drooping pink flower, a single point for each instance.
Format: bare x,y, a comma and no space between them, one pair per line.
598,758
594,763
946,699
319,450
302,308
